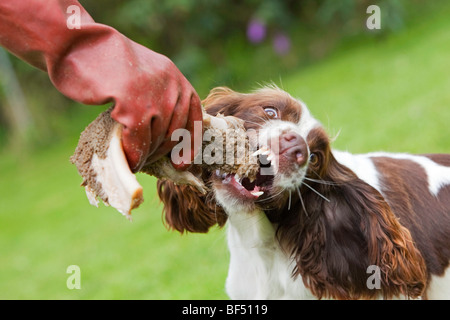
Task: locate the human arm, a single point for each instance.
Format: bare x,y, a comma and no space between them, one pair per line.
95,65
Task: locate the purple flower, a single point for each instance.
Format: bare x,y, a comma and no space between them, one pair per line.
256,31
281,44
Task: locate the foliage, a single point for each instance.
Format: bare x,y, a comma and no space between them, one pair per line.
208,35
213,43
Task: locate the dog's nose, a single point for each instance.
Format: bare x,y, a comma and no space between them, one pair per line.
293,146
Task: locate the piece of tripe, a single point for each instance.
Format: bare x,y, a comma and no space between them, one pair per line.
101,161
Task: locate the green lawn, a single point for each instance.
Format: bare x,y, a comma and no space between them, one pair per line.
389,95
47,224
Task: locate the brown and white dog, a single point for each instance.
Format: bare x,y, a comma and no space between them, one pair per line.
325,224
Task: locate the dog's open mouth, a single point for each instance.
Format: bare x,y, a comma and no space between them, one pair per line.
243,187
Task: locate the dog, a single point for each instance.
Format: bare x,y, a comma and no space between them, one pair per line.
323,223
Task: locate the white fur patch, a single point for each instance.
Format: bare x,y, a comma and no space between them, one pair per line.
361,165
439,287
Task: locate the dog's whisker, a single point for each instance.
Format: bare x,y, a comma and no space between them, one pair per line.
318,176
317,192
271,197
255,123
301,200
262,119
329,183
289,205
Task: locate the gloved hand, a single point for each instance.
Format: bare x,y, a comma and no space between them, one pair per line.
95,64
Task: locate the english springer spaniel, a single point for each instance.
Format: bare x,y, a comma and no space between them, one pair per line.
325,223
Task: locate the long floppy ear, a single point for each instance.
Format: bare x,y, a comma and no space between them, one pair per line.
352,246
186,209
221,100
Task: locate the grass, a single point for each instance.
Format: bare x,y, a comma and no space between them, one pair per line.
47,225
390,94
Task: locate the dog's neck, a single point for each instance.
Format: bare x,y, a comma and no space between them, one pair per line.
251,229
259,268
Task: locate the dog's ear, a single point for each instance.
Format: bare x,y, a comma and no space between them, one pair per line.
222,100
351,244
186,209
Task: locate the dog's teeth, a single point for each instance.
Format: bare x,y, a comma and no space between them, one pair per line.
257,193
257,152
224,175
237,178
264,150
218,172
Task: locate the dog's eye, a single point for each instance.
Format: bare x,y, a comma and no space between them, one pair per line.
271,112
313,159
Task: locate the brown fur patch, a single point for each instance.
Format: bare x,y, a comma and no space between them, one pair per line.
405,186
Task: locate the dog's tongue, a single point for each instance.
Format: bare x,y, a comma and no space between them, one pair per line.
255,193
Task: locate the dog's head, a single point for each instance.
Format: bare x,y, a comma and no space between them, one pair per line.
289,144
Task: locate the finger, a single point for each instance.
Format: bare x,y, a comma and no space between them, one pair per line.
135,148
174,112
194,125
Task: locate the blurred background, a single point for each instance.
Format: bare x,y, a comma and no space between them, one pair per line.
386,89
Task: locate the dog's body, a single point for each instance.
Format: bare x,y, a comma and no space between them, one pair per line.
324,223
259,267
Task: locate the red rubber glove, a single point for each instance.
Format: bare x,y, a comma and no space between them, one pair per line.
96,64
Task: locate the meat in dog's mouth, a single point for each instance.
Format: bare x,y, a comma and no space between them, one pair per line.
244,187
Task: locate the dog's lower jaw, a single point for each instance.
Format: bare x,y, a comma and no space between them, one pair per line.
230,203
